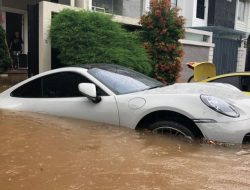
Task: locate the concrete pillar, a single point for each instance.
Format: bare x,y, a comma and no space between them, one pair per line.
72,3
211,54
84,4
241,59
89,4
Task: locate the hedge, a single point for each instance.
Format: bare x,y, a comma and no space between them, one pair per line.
89,37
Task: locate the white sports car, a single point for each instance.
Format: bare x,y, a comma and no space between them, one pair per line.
115,95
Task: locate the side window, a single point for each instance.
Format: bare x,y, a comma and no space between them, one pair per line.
234,80
245,83
62,85
29,90
58,85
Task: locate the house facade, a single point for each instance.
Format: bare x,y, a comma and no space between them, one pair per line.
229,21
32,19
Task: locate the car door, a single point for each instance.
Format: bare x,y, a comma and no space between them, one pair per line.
60,96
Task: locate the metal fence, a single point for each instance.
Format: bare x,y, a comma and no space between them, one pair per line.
225,54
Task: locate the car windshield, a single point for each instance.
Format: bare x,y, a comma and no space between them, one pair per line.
123,81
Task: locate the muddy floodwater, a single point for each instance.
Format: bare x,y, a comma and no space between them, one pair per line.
39,152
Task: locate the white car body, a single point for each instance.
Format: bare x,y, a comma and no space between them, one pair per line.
129,109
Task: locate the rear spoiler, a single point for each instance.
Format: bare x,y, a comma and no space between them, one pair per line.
202,70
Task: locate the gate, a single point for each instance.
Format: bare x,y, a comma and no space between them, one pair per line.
225,54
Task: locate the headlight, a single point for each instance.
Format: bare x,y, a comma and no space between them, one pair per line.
219,105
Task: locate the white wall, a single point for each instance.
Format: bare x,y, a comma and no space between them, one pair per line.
243,25
45,15
85,4
188,10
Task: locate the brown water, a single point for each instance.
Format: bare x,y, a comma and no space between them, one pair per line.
43,152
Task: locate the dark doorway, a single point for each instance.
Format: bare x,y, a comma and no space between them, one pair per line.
14,23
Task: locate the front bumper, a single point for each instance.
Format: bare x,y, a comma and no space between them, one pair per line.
227,132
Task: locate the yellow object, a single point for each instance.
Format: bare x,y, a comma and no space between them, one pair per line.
206,72
229,75
203,70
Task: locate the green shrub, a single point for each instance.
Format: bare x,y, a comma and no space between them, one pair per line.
88,37
162,28
5,59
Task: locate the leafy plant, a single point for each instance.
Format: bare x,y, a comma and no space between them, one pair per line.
90,37
162,28
5,59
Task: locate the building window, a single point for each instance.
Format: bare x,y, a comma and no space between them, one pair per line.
106,6
241,10
200,12
173,3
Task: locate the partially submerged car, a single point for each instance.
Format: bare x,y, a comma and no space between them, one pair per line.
206,72
119,96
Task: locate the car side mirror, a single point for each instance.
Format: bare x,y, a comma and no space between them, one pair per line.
89,90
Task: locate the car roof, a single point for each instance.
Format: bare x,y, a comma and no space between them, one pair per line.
105,66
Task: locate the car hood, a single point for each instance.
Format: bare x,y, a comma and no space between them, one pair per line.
214,89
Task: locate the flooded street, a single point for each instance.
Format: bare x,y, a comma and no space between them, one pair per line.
44,152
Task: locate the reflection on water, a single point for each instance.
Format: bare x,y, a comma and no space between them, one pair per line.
44,152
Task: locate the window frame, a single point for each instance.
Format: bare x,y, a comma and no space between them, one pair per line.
41,80
200,9
241,11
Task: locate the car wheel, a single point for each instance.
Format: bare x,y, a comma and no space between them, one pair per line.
173,129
